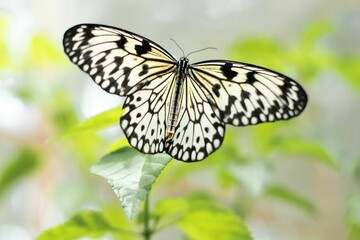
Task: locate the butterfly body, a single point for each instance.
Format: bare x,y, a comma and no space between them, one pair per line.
183,65
172,105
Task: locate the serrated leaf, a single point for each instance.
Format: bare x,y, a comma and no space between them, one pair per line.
291,197
84,224
131,174
96,123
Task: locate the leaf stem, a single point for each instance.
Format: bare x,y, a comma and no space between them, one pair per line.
147,231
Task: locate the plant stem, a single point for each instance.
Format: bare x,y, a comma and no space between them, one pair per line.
147,231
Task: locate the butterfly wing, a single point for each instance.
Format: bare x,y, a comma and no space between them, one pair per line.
146,112
246,94
225,92
117,60
130,65
199,130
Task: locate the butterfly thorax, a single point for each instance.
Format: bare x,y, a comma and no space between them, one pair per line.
182,69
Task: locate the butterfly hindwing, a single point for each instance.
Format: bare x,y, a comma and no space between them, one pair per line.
146,113
199,130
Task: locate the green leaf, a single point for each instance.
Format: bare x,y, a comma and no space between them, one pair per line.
169,207
205,220
96,123
84,224
291,197
200,218
131,175
169,212
21,164
208,224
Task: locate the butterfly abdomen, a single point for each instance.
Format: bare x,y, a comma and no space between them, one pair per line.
176,97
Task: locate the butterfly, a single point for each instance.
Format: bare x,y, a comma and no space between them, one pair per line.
173,105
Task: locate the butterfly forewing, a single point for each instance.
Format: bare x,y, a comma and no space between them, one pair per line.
246,94
118,61
213,93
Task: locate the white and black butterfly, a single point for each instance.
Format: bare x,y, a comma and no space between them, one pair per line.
172,105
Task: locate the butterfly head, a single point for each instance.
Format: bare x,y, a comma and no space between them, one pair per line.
184,60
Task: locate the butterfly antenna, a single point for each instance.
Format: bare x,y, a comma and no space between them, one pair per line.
178,46
200,50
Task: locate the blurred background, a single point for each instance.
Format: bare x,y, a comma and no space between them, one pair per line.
295,179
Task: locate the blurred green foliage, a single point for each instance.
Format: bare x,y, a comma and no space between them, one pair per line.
24,162
43,52
285,194
95,123
353,217
5,55
307,58
242,170
206,220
